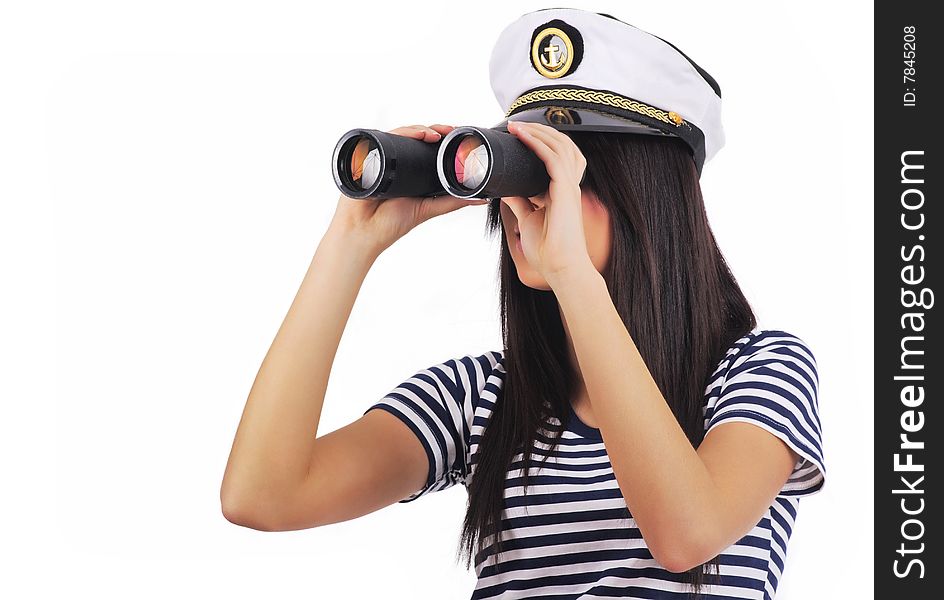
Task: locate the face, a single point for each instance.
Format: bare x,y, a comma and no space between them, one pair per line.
596,229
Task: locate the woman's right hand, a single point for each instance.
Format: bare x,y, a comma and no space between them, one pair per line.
379,223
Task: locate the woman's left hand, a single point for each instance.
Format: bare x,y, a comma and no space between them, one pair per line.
552,236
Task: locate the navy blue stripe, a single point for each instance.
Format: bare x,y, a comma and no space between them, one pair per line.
583,516
517,464
787,505
558,480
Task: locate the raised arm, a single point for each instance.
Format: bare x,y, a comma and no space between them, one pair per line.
279,474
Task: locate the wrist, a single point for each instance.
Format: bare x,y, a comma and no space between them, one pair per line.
573,276
356,244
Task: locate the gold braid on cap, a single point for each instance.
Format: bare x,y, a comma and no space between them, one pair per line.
596,97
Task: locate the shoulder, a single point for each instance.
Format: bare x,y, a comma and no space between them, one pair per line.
486,369
492,360
477,366
467,376
762,346
765,357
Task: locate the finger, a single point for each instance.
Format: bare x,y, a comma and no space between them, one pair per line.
410,132
443,129
555,140
428,133
541,127
558,141
537,145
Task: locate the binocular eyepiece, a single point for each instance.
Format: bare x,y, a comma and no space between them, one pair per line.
468,162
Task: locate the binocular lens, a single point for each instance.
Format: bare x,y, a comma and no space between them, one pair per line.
480,162
368,163
471,164
359,162
365,163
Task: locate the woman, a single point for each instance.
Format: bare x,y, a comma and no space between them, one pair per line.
637,436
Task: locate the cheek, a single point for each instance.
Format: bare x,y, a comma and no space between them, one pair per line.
596,221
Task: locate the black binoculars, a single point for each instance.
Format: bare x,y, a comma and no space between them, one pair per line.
468,162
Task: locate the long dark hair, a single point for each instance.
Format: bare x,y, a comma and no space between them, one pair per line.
669,283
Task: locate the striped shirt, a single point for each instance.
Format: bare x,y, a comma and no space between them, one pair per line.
572,535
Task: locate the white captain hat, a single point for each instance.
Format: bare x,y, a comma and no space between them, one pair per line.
575,69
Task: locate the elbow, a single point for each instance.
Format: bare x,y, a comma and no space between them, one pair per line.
266,512
240,513
681,554
676,562
246,510
237,515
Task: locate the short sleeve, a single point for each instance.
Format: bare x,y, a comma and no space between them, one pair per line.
438,404
773,383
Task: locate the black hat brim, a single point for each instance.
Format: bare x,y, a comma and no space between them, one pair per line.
579,119
573,118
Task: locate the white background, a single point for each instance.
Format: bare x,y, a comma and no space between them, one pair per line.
164,182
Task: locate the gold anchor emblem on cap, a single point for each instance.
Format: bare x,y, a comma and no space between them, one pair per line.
559,115
557,55
552,61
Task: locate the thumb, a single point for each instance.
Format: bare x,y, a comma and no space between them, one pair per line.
519,206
